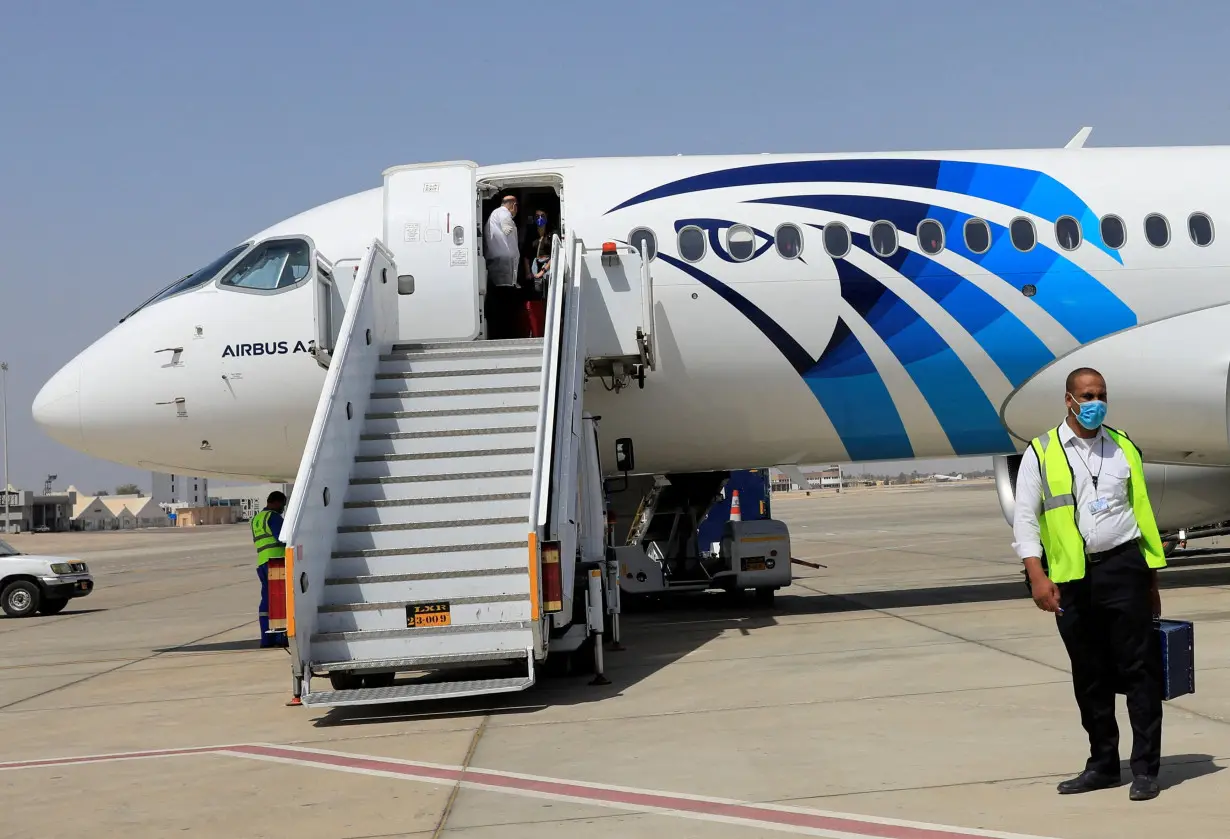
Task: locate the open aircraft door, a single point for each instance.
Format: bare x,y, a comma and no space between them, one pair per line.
431,227
619,310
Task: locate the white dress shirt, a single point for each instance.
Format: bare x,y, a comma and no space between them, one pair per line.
1099,456
503,249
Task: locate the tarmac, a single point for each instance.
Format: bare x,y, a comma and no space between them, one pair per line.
909,690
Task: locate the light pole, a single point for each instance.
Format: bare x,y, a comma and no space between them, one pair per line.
4,419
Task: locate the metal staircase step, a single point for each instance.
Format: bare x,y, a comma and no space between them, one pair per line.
501,381
420,632
434,549
413,643
453,362
433,534
418,421
378,606
507,609
422,442
418,487
513,504
514,344
443,464
459,373
481,397
502,583
424,565
405,665
416,692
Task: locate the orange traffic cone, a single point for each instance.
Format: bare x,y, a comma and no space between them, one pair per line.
736,512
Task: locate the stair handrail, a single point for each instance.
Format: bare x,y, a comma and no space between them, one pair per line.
544,440
368,329
563,514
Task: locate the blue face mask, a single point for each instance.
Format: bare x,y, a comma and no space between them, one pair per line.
1091,413
541,221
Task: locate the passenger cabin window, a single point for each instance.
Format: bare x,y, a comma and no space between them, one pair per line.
836,239
1114,232
1068,233
740,242
1157,230
644,241
977,235
273,265
789,241
1024,237
692,243
1200,228
930,236
884,238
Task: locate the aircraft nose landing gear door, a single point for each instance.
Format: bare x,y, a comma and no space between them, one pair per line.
619,312
430,225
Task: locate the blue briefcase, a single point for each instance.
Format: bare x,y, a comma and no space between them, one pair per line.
1177,647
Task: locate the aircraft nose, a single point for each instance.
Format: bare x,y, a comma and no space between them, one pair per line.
57,408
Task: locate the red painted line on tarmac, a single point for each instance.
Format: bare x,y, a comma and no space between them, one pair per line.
74,761
766,815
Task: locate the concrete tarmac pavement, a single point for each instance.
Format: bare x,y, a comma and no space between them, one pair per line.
909,690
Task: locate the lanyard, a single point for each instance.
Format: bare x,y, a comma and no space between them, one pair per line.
1101,461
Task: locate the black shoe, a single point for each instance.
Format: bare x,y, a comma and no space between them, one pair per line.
1144,788
1088,781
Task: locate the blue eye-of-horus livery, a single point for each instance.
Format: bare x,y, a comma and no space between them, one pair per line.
844,378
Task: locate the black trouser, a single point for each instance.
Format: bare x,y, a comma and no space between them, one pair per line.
503,310
1107,627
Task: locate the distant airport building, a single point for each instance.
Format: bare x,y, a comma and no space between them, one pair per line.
174,491
250,499
31,512
116,512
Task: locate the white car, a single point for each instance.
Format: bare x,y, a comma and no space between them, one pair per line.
43,584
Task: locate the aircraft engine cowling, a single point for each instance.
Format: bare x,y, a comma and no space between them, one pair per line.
1182,496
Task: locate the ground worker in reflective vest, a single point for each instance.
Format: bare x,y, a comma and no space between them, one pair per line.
266,530
1081,502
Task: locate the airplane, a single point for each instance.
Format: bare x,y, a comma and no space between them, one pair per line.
806,308
944,478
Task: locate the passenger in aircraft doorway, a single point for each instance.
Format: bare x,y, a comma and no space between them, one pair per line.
1081,501
503,261
537,253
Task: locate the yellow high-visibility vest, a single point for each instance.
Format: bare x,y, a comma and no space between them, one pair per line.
1061,538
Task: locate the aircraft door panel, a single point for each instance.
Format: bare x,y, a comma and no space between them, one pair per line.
430,219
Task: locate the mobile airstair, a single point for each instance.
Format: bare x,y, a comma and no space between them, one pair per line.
446,526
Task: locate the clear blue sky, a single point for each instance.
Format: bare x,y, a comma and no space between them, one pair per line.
139,140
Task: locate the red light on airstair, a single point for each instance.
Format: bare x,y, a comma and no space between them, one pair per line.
609,248
552,581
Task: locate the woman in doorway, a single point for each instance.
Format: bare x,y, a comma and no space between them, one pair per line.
537,254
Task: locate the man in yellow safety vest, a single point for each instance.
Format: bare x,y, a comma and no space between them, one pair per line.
266,530
1081,501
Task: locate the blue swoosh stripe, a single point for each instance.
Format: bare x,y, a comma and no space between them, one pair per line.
845,382
853,394
1016,351
1068,293
1028,190
966,415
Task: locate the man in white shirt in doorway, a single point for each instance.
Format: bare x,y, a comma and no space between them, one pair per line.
1081,502
503,255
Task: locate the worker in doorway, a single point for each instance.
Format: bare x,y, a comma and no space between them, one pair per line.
266,533
1081,502
503,262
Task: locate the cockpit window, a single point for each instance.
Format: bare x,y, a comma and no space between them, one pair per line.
271,266
196,278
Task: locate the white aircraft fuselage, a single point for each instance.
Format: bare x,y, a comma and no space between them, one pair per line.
908,343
